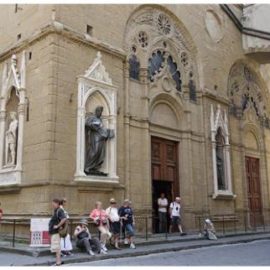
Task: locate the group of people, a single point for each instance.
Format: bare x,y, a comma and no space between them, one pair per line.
174,214
109,222
209,231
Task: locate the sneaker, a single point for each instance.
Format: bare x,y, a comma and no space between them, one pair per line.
90,252
132,245
102,251
104,248
126,241
63,254
69,253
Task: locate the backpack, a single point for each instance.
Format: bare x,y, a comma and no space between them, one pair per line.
63,230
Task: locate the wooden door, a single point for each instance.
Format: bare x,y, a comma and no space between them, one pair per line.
164,161
254,190
164,156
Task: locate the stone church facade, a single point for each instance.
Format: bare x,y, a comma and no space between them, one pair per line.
188,106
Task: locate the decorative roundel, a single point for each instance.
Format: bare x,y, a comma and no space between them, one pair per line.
163,24
184,59
143,39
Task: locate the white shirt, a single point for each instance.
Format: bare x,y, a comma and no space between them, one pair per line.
112,212
175,209
162,205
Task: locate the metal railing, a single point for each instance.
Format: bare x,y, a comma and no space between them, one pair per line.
145,226
247,221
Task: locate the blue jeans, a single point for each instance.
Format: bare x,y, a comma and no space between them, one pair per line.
129,229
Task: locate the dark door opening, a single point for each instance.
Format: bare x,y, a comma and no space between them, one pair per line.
164,157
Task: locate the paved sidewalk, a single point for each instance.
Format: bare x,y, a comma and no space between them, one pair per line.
183,243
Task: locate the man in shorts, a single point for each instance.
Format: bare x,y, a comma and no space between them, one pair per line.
175,215
57,220
126,214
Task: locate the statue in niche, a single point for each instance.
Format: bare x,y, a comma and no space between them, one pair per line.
11,139
97,136
220,160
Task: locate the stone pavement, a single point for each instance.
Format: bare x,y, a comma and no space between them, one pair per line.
174,243
255,253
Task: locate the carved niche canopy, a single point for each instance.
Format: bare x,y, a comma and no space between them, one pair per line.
246,93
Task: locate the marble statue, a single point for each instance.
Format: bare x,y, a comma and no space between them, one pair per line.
11,140
96,136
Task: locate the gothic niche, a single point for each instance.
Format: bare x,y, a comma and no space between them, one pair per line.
12,114
96,126
161,61
245,93
220,153
11,133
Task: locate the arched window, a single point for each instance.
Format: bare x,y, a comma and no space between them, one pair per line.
220,158
157,62
134,67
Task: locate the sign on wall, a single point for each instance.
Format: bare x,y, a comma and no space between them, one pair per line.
40,232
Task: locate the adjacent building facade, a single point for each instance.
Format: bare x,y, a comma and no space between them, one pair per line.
188,104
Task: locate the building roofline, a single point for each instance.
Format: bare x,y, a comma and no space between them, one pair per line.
60,29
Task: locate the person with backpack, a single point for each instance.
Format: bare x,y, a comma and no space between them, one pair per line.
57,220
175,214
66,245
114,220
84,241
100,218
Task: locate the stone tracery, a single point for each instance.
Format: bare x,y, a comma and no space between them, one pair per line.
245,93
156,34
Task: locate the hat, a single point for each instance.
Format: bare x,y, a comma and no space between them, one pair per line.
84,222
126,201
112,200
208,221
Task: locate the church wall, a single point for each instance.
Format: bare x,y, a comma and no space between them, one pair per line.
26,21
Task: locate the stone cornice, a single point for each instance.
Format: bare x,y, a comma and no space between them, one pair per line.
60,29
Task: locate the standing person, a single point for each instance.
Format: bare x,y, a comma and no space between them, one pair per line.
100,217
175,215
127,217
84,239
57,220
162,212
66,245
114,219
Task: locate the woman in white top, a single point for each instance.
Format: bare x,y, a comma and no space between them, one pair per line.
66,245
114,219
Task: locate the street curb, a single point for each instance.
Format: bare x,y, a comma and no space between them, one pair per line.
37,252
147,252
